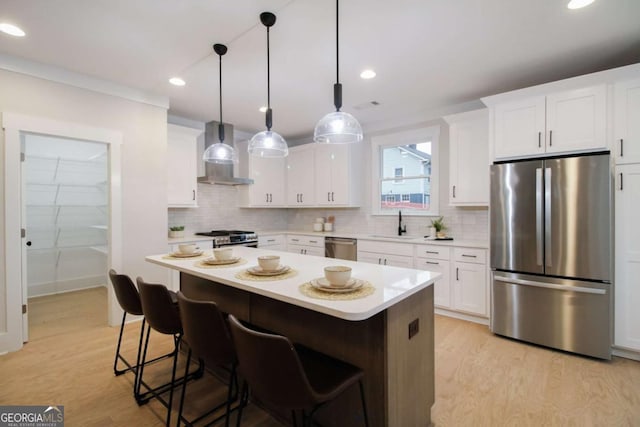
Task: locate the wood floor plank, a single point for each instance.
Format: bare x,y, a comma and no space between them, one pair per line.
481,379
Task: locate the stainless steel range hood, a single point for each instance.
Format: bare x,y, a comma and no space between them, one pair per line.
220,174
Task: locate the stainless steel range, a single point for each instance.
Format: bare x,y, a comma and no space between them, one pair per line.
232,238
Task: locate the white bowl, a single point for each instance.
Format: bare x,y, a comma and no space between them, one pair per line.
269,262
337,275
223,253
320,220
318,226
187,248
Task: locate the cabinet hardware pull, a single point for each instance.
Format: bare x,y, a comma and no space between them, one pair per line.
385,261
550,138
329,196
295,240
621,147
194,194
454,191
271,240
433,263
539,139
432,252
379,260
301,197
469,256
332,196
270,197
457,277
313,241
267,200
621,186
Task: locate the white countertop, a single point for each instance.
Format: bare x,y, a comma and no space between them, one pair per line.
393,284
482,244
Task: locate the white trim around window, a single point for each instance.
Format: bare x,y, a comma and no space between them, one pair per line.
413,136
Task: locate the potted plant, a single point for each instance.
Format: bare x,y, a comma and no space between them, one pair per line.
176,231
438,224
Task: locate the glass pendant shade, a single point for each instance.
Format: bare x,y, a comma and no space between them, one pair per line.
337,128
268,144
220,153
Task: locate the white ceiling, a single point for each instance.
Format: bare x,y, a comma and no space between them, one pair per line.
428,54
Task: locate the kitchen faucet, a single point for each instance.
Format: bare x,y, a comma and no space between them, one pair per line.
401,229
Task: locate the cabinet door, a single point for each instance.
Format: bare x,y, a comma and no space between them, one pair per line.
576,120
268,175
627,260
627,122
370,257
397,261
301,176
442,286
470,288
519,128
469,163
182,152
332,174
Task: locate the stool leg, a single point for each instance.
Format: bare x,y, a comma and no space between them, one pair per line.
117,371
173,378
136,388
244,396
364,405
232,380
184,388
137,393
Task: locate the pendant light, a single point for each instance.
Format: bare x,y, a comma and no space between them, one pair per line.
220,152
337,127
268,143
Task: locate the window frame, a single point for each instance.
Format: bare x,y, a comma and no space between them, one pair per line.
395,139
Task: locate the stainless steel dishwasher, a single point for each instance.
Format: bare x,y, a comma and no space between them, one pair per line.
341,248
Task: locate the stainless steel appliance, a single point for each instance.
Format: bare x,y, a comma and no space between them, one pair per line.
551,252
341,248
223,238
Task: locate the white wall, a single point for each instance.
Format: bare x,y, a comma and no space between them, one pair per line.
144,160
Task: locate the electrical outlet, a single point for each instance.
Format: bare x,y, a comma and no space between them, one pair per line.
414,328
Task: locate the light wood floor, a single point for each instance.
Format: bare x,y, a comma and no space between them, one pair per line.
481,379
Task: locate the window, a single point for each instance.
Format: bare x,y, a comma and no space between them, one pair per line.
405,172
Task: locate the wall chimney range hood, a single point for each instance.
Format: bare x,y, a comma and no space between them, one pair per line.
216,173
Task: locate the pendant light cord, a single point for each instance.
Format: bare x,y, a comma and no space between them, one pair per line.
220,57
268,74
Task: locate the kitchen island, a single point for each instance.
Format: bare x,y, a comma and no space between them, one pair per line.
389,333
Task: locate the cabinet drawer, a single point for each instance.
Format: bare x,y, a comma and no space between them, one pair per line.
435,252
389,248
478,256
317,241
270,240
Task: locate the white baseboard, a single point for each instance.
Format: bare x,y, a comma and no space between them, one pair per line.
61,286
627,354
462,316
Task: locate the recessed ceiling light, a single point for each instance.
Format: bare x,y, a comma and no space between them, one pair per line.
263,109
176,81
367,74
577,4
11,30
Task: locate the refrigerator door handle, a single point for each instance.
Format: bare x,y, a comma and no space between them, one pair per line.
547,217
539,216
580,289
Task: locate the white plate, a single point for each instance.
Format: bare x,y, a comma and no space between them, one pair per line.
332,289
181,255
213,261
322,281
258,271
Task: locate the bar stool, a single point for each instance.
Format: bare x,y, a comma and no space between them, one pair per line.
163,316
129,300
290,377
207,336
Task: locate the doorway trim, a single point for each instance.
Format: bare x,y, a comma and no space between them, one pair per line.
14,125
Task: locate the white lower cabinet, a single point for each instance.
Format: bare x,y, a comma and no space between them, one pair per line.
386,253
442,287
305,245
275,242
469,277
627,260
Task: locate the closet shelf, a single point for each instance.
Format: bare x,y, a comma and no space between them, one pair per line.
102,249
64,206
61,248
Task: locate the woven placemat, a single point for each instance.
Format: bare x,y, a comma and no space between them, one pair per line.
308,290
187,258
202,264
245,275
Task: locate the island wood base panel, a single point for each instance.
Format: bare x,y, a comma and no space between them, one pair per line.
399,372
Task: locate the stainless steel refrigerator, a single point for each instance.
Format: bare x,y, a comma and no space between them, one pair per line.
551,252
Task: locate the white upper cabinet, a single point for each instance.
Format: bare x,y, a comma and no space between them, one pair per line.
626,147
301,176
182,154
562,122
337,172
269,178
469,158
